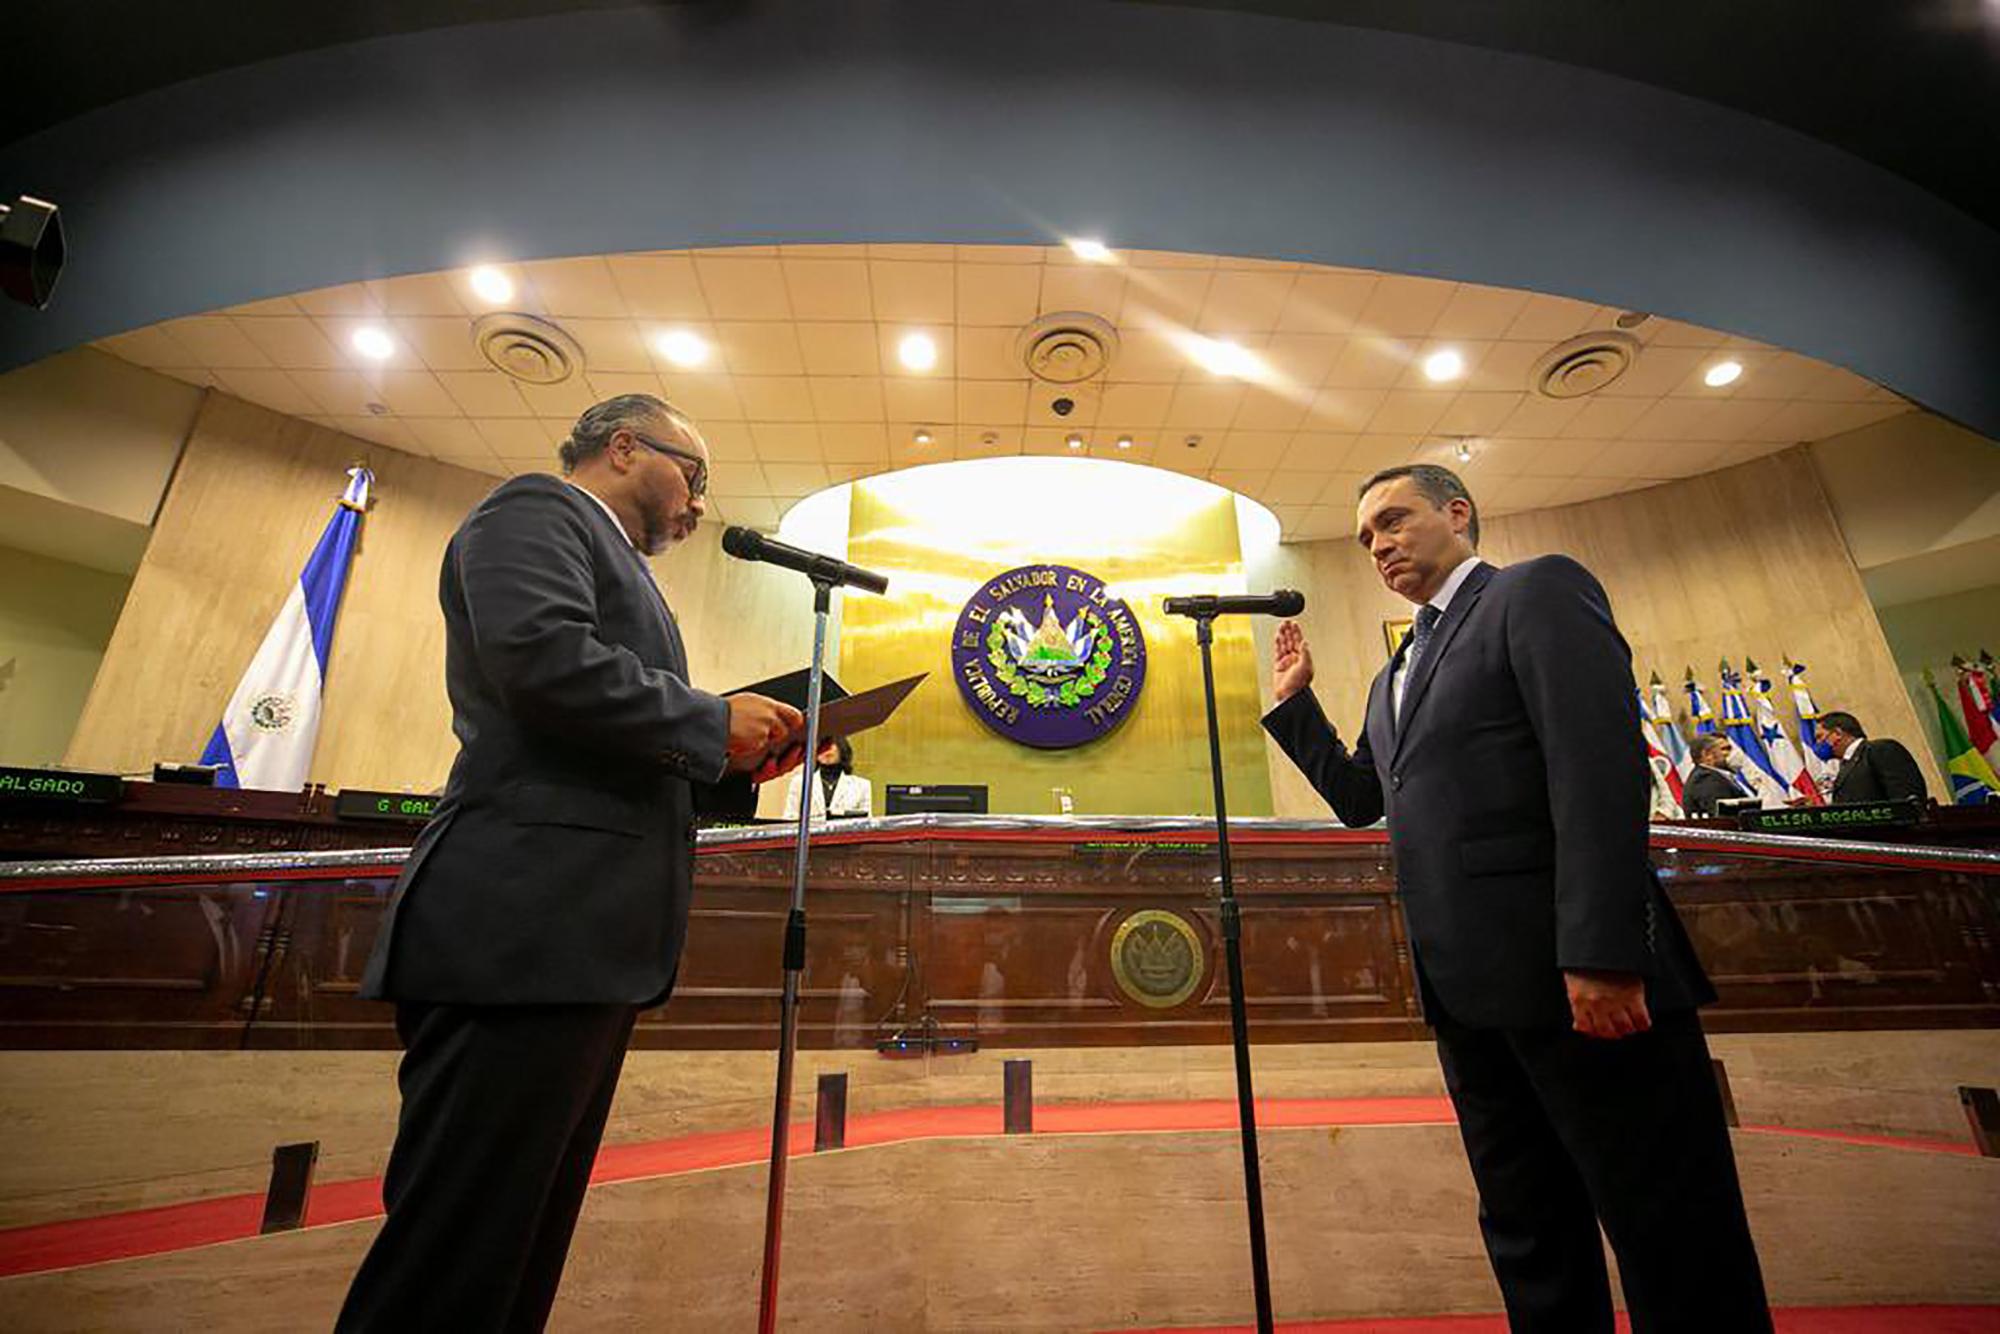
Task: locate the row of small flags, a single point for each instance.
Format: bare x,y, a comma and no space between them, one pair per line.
1779,768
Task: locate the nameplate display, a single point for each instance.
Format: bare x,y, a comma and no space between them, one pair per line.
58,785
1830,819
400,807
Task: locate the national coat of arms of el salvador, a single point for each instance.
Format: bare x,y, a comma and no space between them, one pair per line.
1047,657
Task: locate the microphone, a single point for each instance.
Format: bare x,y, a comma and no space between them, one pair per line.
1279,602
749,544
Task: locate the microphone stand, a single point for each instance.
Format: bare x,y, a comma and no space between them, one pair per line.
795,966
1239,1024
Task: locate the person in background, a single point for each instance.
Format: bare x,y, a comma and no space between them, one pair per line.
1878,769
1713,779
836,792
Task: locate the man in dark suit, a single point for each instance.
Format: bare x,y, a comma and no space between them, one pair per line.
1879,769
1711,781
1503,743
546,902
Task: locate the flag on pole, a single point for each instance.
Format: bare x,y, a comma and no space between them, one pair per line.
1786,761
1666,780
1975,701
1991,671
266,736
1699,714
1669,731
1742,730
1815,752
1972,778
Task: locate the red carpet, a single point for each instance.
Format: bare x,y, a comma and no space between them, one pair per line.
175,1227
1789,1320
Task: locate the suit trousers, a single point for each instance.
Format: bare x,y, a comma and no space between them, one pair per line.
1564,1132
503,1108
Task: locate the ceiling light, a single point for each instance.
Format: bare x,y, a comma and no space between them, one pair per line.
917,351
1074,441
1093,252
922,436
684,349
1444,365
374,343
1124,442
1722,373
491,285
1219,356
1462,451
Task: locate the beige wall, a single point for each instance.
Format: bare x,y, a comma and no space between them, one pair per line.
252,493
89,430
55,619
1747,561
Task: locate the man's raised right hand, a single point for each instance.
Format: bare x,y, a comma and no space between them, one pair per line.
760,728
1291,662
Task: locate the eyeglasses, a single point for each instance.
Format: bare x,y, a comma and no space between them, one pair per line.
697,481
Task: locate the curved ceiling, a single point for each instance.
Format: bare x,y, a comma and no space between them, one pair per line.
802,385
586,130
1913,87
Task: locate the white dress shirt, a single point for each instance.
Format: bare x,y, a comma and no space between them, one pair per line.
609,513
1442,601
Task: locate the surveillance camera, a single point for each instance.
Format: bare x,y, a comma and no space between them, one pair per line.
1062,407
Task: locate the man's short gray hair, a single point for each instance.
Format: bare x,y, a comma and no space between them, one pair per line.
592,433
1440,486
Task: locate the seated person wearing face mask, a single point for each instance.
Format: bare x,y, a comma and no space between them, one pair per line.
836,792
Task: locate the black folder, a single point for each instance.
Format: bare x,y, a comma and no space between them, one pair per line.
840,713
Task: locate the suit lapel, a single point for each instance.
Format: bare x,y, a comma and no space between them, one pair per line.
1454,616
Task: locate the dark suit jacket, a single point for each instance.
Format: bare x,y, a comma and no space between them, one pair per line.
1705,787
559,865
1881,770
1517,792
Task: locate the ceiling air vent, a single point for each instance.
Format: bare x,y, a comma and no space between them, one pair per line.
527,349
1068,347
1584,365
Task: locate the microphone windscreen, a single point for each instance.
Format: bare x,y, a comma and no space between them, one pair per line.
743,543
1287,602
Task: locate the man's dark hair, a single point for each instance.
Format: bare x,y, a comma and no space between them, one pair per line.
846,749
1704,744
592,433
1846,722
1440,486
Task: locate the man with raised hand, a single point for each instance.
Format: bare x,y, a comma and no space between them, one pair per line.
1503,744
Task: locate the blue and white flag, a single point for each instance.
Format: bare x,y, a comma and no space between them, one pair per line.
266,736
1816,753
1741,729
1700,717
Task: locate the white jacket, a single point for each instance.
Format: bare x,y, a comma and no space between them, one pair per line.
851,796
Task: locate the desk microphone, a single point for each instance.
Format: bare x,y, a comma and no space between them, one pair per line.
1281,602
749,544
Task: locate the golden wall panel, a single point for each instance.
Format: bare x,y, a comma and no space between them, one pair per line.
940,533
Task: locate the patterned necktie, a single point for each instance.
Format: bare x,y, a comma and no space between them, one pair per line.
1420,638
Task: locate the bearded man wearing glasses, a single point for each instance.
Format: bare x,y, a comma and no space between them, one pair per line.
546,902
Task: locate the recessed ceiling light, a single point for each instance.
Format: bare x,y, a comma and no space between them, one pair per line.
922,436
374,343
490,284
686,350
1444,365
1462,451
1074,441
1722,373
1124,442
1090,251
917,352
1219,356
